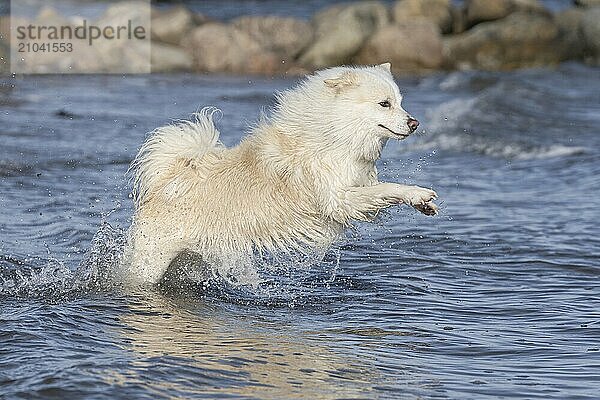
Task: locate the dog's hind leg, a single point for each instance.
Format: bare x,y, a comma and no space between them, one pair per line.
150,255
188,269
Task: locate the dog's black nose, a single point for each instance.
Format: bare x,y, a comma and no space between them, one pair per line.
412,123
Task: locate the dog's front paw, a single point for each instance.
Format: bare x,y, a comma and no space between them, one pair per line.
427,208
417,196
421,199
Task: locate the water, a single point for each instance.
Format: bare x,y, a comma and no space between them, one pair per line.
497,297
227,10
234,8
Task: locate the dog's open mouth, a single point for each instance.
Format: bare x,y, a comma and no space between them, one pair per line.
397,134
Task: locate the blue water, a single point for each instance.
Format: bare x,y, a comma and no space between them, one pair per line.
229,9
497,297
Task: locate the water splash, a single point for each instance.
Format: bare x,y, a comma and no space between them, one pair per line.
51,278
285,278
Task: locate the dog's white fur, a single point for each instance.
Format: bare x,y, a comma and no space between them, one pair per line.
301,177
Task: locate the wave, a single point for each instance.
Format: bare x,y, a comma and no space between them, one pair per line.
499,149
491,125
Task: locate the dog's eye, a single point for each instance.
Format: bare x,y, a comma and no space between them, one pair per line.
385,104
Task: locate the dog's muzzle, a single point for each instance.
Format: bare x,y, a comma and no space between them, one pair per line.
397,134
412,123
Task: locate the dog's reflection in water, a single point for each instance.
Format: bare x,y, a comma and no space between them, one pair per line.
203,346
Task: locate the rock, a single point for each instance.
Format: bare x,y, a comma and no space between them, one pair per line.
168,58
6,21
125,55
477,11
217,47
48,16
5,28
201,19
438,11
590,29
587,3
411,47
169,26
459,20
484,10
534,6
569,26
121,13
341,30
38,61
286,37
519,40
4,60
113,56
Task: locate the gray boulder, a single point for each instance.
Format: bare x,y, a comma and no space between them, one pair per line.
217,47
50,17
169,26
4,58
477,11
121,13
572,42
519,40
132,56
4,28
113,56
414,46
459,20
591,34
587,3
438,11
286,37
341,30
169,58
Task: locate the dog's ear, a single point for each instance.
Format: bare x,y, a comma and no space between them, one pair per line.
346,79
386,66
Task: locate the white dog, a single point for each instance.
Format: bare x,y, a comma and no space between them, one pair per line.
301,177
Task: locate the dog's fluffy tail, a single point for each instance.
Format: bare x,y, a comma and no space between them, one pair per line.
168,144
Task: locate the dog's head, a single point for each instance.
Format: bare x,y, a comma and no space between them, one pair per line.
370,94
356,108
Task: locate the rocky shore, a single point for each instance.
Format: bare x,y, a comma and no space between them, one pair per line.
416,36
